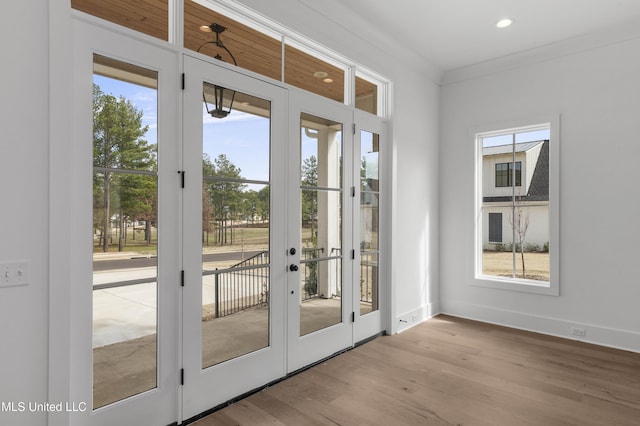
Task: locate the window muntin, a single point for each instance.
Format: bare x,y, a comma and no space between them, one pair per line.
515,222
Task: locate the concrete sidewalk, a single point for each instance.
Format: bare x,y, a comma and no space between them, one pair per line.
128,367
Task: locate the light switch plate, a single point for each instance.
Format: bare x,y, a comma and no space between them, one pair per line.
14,273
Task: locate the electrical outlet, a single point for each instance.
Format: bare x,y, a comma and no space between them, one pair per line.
579,332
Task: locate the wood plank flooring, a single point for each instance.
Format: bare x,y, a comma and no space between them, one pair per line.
450,371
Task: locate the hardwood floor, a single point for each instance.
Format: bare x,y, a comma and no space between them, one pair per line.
450,371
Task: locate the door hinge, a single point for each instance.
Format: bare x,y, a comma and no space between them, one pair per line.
354,128
353,317
182,81
353,254
182,278
181,173
353,191
182,377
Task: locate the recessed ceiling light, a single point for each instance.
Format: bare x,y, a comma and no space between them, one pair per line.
504,23
328,80
320,74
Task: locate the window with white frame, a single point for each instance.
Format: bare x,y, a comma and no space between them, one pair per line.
251,42
516,228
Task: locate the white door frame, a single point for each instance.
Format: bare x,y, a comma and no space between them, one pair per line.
164,404
372,323
307,349
206,388
159,405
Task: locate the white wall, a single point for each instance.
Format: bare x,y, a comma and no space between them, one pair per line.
415,111
24,206
597,94
416,230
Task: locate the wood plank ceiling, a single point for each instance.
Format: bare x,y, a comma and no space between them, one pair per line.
252,49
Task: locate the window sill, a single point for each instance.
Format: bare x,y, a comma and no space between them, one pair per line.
517,284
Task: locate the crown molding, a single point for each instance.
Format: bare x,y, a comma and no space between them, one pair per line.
564,48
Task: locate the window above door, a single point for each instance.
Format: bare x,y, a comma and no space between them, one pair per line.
237,35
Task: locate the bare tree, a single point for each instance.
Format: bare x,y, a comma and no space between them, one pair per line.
519,221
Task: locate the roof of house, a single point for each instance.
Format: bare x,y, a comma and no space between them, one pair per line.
539,187
508,149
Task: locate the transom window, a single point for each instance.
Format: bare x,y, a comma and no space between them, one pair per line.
236,35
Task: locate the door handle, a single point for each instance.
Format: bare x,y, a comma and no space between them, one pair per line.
293,268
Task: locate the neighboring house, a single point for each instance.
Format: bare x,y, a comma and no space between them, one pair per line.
531,194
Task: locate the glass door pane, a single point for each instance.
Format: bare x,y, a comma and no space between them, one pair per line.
321,225
235,224
233,235
369,221
515,205
125,230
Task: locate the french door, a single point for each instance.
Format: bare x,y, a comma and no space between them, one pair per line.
319,299
124,312
369,213
224,257
234,215
267,249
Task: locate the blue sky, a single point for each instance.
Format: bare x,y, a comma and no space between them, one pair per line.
537,135
142,97
243,138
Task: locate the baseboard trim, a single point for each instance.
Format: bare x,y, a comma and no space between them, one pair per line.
412,318
604,336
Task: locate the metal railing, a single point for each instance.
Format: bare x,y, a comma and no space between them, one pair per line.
318,279
241,286
246,284
369,279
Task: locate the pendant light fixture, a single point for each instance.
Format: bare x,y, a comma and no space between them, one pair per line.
221,96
